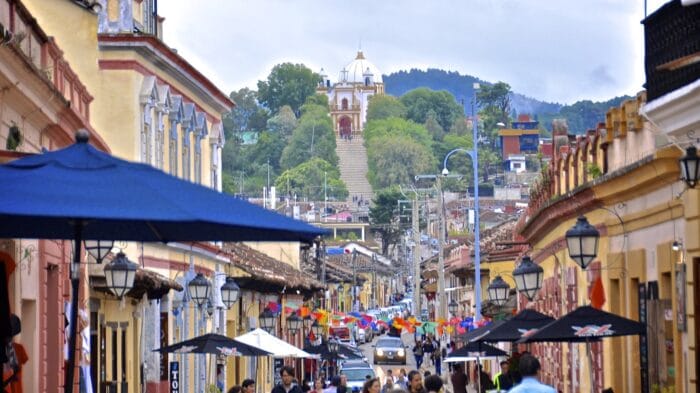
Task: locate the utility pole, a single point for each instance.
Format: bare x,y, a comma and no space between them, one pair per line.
442,311
325,196
416,257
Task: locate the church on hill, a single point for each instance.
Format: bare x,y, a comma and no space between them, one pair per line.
348,97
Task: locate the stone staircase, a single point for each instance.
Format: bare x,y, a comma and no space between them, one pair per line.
353,167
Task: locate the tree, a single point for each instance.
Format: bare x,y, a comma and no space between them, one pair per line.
317,99
313,137
397,161
247,115
283,123
397,128
312,179
432,125
288,84
269,148
419,102
496,96
383,217
384,106
460,127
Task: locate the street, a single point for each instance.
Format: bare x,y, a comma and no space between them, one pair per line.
408,341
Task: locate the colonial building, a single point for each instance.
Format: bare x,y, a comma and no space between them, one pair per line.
349,96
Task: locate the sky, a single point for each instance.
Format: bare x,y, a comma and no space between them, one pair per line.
553,50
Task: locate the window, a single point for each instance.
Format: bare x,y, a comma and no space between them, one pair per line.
344,104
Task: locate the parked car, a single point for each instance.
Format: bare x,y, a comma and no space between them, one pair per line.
342,333
357,374
360,335
389,350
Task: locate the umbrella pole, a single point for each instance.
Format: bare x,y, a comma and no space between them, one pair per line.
75,291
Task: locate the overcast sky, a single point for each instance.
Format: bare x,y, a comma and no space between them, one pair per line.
553,50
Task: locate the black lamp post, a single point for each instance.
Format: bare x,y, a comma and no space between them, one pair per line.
267,320
453,307
317,329
99,249
498,291
333,349
690,170
582,241
230,292
120,274
294,323
528,277
210,308
198,289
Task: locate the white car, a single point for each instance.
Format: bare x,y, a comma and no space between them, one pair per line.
361,336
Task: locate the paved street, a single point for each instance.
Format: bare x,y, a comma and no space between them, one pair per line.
407,339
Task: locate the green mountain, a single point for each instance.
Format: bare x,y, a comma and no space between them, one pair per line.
580,116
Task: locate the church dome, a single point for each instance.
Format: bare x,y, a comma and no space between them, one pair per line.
358,68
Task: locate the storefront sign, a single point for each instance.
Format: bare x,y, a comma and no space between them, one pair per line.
163,343
643,355
174,377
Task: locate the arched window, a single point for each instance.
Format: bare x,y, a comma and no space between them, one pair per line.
344,104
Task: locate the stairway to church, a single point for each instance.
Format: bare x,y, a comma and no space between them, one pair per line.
353,167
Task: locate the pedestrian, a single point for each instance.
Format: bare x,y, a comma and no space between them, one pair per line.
402,380
428,349
529,368
318,385
415,382
437,359
235,389
305,387
390,374
371,386
418,354
248,386
333,387
287,385
433,384
388,382
485,382
504,379
426,374
459,379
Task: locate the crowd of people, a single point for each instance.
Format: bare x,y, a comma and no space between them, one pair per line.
523,380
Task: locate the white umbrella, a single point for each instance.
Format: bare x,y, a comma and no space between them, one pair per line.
267,342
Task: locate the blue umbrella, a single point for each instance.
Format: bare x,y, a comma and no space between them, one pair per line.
49,195
82,193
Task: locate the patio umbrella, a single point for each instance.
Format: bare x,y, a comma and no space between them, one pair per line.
278,348
586,324
476,334
513,329
475,350
213,344
82,193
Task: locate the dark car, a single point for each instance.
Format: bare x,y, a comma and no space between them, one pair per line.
389,350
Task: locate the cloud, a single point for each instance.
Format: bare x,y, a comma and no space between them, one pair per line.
551,50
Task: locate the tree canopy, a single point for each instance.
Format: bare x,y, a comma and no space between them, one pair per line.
397,161
247,115
283,123
383,217
288,84
419,102
385,106
313,137
312,179
397,128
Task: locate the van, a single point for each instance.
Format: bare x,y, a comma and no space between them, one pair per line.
342,333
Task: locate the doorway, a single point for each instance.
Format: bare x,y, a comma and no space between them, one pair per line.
345,127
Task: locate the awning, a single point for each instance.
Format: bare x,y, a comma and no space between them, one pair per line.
261,339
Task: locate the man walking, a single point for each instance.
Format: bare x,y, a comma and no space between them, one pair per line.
504,379
529,368
287,385
459,379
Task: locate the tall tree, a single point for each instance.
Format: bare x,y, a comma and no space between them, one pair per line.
495,96
383,217
397,161
384,106
397,128
421,101
432,125
313,137
247,115
283,123
288,84
312,179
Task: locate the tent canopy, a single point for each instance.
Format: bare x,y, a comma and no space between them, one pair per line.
267,342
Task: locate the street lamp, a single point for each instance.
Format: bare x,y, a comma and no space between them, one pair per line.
333,346
498,291
294,323
690,170
267,320
120,274
317,329
582,241
210,308
453,307
528,277
198,289
230,292
99,249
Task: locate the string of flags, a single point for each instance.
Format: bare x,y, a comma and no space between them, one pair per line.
410,324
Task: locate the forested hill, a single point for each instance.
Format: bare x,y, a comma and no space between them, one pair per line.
461,86
580,115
